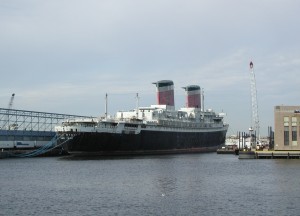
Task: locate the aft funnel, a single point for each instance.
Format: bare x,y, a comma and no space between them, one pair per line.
193,93
165,92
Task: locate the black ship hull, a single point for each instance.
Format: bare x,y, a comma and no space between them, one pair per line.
146,142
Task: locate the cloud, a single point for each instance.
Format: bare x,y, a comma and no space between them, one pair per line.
63,56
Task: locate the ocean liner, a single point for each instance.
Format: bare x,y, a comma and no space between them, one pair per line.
158,129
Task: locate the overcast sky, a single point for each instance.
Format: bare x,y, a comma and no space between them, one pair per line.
62,56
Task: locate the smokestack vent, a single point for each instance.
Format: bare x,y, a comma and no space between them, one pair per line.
165,92
193,96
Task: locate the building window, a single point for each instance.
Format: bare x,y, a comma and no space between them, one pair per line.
294,133
294,136
286,136
286,121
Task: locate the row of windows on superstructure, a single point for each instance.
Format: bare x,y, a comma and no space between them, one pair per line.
286,133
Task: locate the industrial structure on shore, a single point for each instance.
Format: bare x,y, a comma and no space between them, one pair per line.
287,127
23,129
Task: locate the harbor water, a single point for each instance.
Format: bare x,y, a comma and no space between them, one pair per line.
195,184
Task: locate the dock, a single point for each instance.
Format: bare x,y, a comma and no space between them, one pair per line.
25,133
269,155
277,154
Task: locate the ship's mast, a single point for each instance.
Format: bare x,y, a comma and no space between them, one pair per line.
106,106
202,99
254,120
137,105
